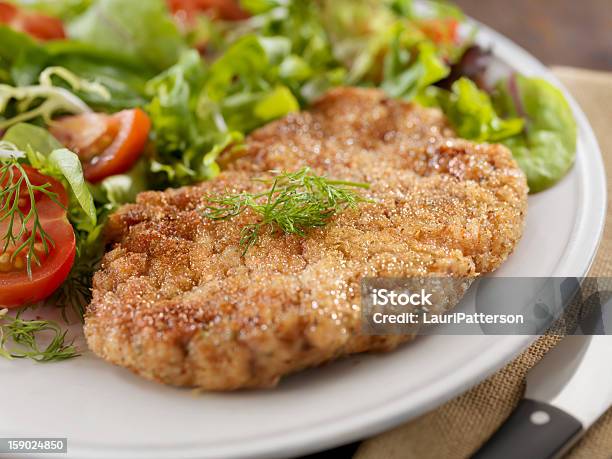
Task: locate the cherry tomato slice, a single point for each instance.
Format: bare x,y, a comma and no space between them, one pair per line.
106,144
37,25
17,288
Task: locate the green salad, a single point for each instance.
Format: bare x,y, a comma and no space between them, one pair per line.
103,99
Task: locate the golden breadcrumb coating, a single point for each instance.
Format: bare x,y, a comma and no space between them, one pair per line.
176,302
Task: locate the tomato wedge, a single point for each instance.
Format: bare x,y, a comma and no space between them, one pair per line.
187,10
17,288
37,25
106,144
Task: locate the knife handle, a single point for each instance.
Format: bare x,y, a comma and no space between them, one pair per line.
534,430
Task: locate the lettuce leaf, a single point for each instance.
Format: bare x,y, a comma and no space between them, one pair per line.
404,80
180,136
471,112
309,66
437,9
275,63
259,6
22,55
546,147
124,79
24,135
244,87
275,104
141,30
25,59
366,33
66,164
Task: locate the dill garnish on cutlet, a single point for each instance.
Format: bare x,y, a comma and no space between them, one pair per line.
295,202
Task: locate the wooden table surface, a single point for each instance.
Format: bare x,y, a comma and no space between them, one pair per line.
558,32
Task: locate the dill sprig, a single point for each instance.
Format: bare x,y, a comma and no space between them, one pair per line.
19,338
295,202
23,229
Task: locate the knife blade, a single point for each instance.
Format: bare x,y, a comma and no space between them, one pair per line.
567,391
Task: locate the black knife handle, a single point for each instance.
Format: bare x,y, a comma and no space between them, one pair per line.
534,430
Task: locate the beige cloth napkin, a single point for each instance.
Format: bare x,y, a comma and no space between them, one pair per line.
459,427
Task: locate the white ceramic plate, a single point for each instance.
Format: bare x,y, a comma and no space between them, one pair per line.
106,412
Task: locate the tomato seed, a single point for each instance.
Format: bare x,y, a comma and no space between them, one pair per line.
18,263
5,263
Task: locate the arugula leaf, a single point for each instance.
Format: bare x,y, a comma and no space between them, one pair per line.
546,147
46,154
141,30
